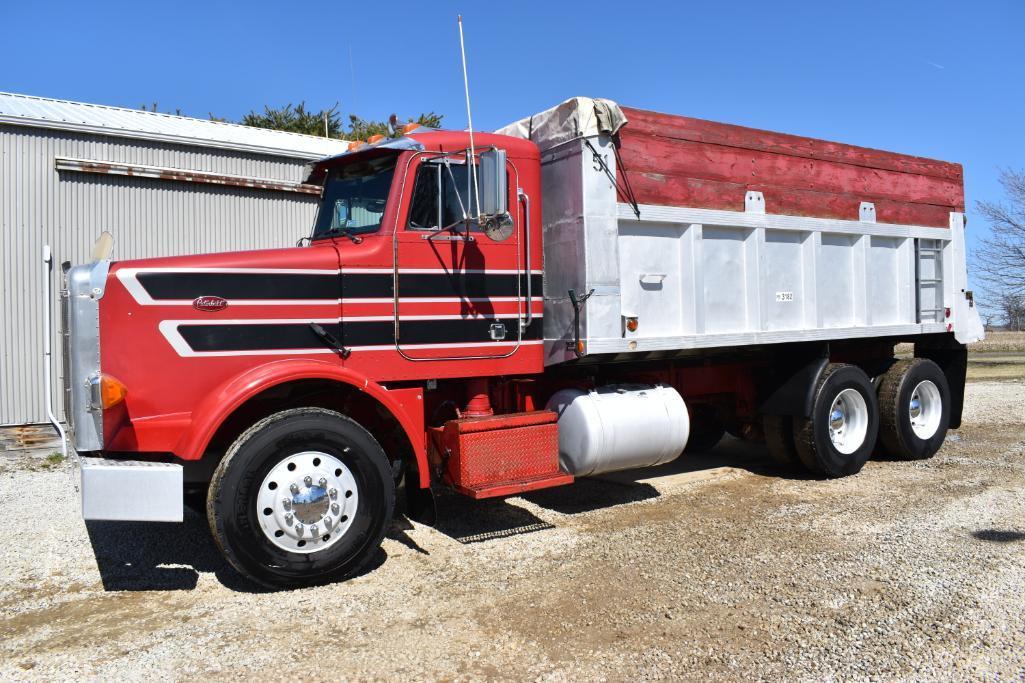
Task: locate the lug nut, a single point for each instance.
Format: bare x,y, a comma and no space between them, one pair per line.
335,508
322,483
308,480
299,528
333,493
287,504
288,519
293,488
327,522
313,530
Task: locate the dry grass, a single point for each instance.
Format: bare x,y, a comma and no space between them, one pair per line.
998,341
1000,356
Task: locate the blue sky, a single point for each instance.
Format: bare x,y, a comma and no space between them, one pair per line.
939,79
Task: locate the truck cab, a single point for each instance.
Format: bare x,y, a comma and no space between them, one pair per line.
403,282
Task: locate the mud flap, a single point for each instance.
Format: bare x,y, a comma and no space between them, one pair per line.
952,358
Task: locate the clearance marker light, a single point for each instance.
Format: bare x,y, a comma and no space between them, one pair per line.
112,391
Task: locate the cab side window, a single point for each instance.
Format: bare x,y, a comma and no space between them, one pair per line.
441,195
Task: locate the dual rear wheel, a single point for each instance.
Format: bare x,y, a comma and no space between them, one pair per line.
914,408
904,414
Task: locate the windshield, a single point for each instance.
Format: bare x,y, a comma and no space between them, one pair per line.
354,198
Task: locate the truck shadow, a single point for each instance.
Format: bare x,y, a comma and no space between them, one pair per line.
476,521
628,486
145,556
469,521
148,556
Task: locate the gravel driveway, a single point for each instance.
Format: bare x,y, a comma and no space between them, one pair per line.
716,566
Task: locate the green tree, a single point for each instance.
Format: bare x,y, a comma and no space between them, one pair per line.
361,129
153,108
298,119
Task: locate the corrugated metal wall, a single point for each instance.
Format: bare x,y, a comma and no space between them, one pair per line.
68,210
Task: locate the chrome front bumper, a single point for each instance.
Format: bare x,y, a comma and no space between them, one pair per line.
130,490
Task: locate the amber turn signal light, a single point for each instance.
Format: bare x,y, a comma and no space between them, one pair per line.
631,324
112,391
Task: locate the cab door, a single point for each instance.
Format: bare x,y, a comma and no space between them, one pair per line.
459,293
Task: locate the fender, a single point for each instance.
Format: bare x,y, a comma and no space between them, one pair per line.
789,388
211,413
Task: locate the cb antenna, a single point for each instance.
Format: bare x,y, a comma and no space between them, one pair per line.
469,116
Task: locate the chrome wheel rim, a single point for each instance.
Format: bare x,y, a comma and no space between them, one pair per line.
925,409
848,421
307,502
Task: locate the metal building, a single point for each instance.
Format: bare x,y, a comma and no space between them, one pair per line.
161,184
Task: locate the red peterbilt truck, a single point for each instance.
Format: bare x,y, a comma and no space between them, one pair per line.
591,289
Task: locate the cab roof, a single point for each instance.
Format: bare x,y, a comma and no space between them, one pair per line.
427,140
458,140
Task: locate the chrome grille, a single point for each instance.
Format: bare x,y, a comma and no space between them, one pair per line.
85,286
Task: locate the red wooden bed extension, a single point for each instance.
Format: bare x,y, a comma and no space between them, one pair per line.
682,161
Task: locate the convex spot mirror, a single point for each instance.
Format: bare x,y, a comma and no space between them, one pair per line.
495,220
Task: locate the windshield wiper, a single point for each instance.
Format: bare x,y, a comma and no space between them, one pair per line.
345,232
330,340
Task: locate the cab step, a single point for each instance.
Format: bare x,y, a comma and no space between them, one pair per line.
501,455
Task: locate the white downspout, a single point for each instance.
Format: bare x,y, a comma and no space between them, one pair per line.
47,361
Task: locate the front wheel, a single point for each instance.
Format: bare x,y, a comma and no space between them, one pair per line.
303,497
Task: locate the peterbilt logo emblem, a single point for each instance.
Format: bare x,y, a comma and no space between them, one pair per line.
210,304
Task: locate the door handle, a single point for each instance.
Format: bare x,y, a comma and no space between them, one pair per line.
525,198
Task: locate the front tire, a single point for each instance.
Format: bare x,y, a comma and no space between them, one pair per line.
914,407
837,439
301,498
